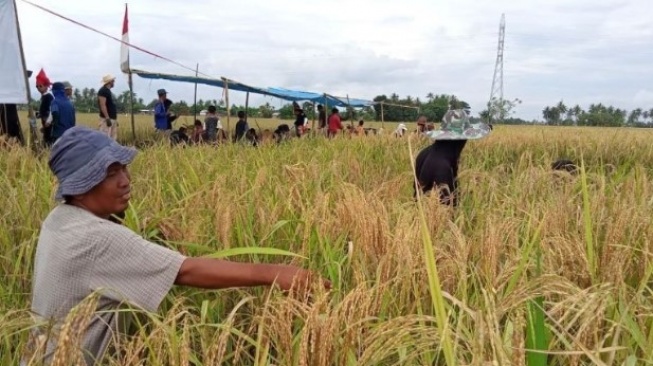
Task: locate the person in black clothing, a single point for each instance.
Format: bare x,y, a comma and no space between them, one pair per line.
241,126
9,123
170,115
43,85
108,111
322,117
300,120
436,166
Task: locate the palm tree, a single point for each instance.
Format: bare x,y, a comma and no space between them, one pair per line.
562,109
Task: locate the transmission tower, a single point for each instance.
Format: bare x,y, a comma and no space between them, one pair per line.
497,80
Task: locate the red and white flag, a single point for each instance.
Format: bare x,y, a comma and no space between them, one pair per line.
124,49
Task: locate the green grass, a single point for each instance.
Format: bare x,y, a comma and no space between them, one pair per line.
534,266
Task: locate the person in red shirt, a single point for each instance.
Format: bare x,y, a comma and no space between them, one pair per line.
335,124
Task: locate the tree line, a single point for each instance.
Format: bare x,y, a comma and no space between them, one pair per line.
394,109
596,115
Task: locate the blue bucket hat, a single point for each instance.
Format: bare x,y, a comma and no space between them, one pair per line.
80,159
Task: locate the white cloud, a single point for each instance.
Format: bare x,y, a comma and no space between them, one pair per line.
574,50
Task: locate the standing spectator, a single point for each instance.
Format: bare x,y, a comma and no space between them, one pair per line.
43,85
321,117
335,124
161,113
241,126
212,123
170,115
9,123
300,121
68,88
108,112
62,110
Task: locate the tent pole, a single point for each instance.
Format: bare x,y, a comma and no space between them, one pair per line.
313,122
197,69
382,120
246,106
131,105
226,96
30,112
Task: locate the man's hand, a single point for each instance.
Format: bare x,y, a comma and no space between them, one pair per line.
296,278
217,274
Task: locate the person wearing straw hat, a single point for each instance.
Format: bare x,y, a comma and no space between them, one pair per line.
436,166
108,113
81,251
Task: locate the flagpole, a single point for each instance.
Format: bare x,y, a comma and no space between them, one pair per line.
131,105
126,68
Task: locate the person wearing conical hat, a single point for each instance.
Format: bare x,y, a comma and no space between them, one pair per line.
436,166
108,113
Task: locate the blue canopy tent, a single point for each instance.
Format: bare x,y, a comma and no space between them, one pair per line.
281,93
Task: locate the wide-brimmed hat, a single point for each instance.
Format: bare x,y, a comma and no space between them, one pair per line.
457,126
161,92
80,159
106,79
67,85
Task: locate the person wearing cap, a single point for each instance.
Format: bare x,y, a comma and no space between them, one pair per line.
62,110
161,113
108,113
81,251
68,88
43,86
436,166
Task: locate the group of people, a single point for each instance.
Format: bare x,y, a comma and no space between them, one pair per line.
56,112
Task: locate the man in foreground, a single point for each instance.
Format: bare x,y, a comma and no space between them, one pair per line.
80,251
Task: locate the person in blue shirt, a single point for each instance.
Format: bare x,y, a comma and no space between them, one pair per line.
62,110
161,113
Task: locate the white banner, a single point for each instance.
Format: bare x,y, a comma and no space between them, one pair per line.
13,85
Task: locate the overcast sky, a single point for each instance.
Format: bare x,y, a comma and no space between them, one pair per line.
581,51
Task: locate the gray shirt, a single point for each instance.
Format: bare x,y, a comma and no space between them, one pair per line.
79,253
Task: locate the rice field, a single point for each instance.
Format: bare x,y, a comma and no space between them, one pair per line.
535,267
